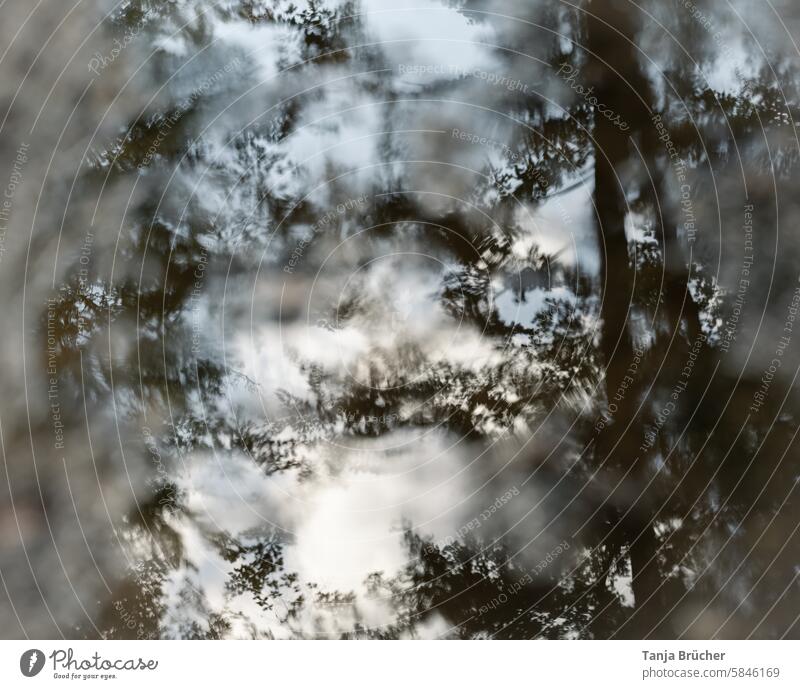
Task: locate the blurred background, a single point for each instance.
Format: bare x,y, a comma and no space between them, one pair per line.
374,319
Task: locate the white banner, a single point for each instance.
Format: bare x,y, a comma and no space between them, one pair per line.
400,664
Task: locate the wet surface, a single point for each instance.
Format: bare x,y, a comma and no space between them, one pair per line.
356,320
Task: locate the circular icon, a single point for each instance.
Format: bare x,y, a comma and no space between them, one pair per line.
31,662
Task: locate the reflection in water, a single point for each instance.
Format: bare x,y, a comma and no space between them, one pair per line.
349,320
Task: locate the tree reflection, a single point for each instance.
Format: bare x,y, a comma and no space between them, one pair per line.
674,506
